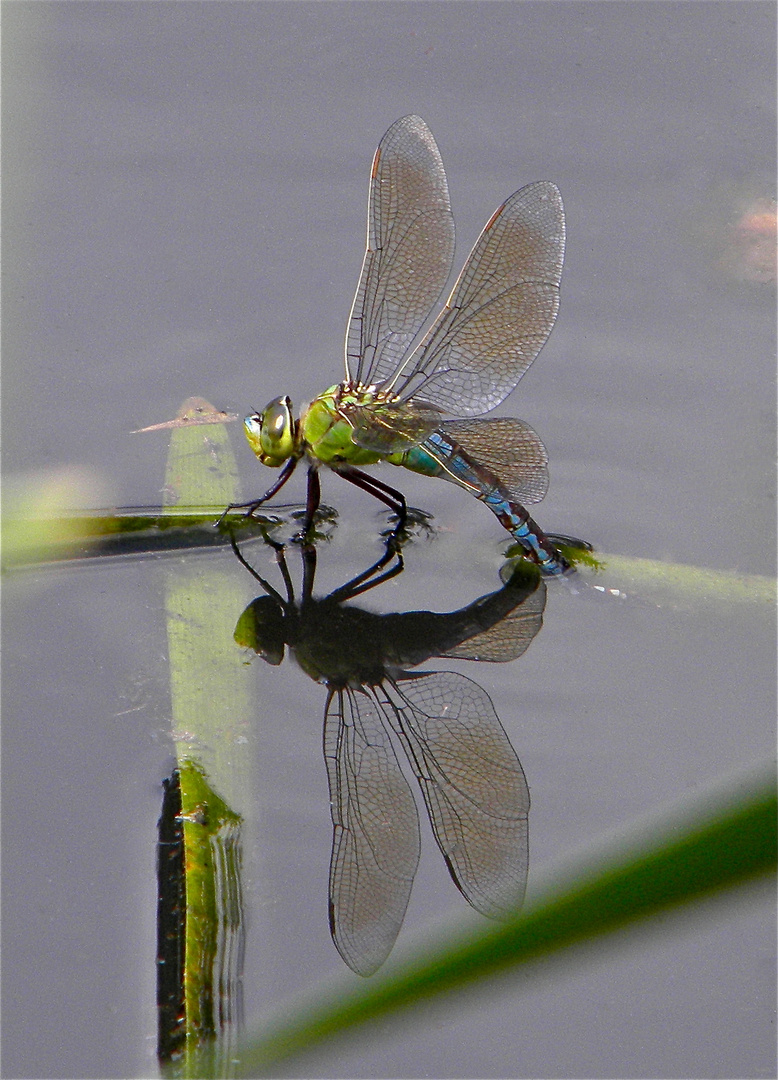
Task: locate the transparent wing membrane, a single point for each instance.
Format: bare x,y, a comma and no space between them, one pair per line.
500,311
509,638
473,786
508,448
410,249
375,843
391,428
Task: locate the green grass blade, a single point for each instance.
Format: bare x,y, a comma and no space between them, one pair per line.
728,848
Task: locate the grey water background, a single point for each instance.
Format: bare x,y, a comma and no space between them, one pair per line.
185,192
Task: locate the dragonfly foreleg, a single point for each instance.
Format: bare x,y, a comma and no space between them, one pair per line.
255,574
255,504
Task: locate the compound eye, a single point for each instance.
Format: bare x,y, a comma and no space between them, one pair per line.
276,422
271,434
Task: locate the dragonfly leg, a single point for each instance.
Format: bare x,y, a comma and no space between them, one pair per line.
255,504
309,571
265,585
361,583
312,499
389,496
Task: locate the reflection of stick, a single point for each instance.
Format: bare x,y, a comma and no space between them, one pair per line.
200,931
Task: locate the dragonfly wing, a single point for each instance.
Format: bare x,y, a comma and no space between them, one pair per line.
509,638
473,784
508,448
500,311
391,427
410,250
375,842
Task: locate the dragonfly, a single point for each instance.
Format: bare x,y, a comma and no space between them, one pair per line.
471,780
400,385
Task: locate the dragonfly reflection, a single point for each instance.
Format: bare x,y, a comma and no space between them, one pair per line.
471,780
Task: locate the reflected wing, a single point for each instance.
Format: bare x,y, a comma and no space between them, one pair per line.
410,248
508,448
500,311
509,638
375,841
473,785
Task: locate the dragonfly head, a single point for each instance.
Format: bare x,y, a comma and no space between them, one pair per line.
271,433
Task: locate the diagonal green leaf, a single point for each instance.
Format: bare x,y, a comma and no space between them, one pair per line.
724,849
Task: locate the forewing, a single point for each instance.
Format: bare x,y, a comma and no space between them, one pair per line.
500,311
410,249
375,841
473,785
508,448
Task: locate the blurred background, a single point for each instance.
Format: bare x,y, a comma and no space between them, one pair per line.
184,213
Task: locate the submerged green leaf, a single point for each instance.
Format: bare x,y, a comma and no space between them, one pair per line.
681,585
213,706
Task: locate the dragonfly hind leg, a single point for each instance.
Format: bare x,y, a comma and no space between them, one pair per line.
389,496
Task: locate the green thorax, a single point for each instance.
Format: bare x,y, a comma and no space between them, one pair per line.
324,432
